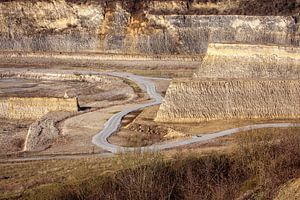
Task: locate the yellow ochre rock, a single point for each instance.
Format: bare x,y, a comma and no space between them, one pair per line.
237,81
34,108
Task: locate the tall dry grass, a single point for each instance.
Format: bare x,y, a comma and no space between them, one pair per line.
271,156
261,162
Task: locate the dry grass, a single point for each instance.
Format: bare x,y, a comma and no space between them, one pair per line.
262,161
15,178
271,155
290,191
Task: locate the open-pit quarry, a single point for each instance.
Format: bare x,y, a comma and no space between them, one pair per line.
51,97
237,81
81,81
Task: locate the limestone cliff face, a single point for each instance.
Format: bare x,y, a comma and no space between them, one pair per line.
141,27
237,81
34,108
49,25
211,99
250,61
4,108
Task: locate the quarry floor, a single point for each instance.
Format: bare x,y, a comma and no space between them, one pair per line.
157,66
74,152
99,103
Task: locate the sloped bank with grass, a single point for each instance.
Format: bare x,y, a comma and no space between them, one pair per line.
261,162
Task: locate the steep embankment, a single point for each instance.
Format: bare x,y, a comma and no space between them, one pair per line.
250,61
211,99
148,27
34,108
237,81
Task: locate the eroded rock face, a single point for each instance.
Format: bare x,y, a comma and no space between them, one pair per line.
49,25
211,99
34,108
250,61
140,27
234,28
237,81
44,131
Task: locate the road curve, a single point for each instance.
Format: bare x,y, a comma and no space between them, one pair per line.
113,124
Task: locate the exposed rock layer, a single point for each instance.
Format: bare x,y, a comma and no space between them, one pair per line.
237,81
147,27
250,61
43,132
63,76
211,99
34,108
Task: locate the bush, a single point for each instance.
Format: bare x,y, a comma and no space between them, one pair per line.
272,154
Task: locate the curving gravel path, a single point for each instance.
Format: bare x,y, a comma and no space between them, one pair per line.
113,124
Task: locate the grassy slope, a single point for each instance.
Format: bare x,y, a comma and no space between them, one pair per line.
262,161
290,191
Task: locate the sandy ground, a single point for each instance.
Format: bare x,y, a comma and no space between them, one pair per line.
92,96
79,130
12,135
85,91
76,131
160,66
138,129
161,85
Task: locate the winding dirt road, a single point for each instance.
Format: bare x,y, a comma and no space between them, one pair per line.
113,124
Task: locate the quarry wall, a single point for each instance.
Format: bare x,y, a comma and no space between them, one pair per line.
4,108
238,81
34,108
250,61
142,27
211,99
